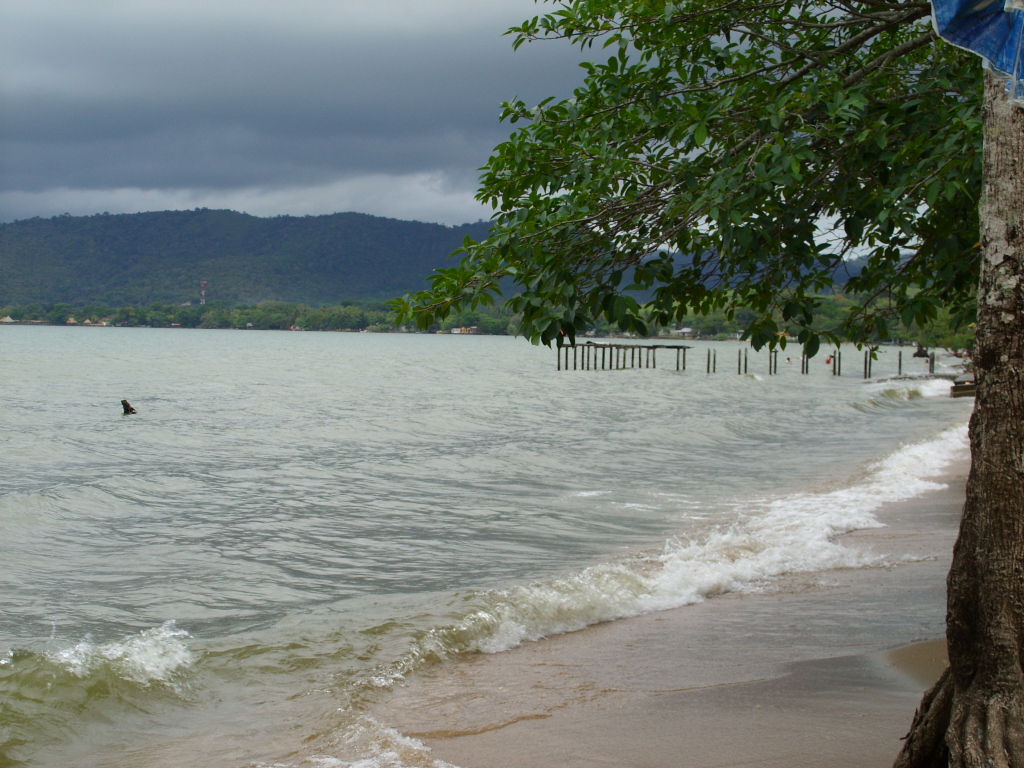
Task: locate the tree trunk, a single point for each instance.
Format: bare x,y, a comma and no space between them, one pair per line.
974,715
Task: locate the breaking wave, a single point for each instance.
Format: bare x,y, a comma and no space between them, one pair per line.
793,534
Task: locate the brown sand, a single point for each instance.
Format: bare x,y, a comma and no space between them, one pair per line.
804,676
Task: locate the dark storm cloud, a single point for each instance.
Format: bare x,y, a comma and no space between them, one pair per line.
192,100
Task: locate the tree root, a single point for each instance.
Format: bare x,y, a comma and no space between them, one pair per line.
958,729
925,745
988,732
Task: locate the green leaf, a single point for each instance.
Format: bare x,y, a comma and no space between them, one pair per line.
700,134
760,172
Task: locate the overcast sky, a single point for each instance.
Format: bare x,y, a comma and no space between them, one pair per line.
270,107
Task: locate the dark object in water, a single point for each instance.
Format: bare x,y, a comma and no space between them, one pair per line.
964,386
127,407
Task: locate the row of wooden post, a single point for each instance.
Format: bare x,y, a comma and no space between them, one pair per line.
621,356
601,357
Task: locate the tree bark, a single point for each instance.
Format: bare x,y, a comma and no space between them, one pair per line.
977,708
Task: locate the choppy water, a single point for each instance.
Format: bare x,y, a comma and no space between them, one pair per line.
294,521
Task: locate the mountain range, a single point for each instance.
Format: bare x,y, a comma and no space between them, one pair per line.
142,258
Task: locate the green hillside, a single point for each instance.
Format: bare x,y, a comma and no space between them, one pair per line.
131,259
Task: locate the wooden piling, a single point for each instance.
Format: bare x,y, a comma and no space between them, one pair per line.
899,363
616,357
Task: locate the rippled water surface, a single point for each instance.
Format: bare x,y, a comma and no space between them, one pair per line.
292,521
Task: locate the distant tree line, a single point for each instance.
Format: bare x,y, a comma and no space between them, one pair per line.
267,315
378,317
943,331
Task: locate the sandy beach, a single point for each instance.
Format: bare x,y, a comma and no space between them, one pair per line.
816,670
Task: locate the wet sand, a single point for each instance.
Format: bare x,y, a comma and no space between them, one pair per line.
818,670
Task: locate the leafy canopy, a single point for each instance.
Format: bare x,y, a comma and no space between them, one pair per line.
732,153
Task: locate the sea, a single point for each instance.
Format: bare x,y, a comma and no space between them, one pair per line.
292,524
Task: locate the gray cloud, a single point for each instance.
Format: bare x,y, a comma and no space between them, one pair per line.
125,104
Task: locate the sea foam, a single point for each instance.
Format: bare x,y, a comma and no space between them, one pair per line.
796,533
154,655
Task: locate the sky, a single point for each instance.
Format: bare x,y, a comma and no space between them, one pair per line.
271,107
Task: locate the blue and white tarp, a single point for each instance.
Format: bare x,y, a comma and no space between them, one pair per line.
993,29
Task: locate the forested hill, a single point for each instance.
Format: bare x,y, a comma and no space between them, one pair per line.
150,257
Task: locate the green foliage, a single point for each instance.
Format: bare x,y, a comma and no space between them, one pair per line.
149,257
267,315
721,156
358,316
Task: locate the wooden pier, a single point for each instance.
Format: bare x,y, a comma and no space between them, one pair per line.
614,355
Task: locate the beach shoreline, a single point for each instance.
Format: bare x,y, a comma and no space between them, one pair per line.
817,669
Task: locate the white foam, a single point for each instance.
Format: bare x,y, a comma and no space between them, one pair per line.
387,748
797,533
912,387
769,538
153,655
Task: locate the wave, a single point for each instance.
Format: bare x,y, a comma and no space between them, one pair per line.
898,392
60,690
51,692
155,655
387,748
770,538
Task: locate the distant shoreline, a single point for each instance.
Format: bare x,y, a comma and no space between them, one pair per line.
462,330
